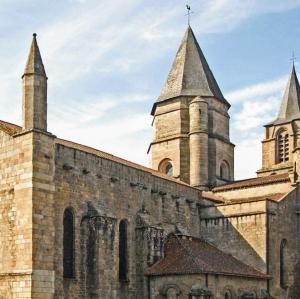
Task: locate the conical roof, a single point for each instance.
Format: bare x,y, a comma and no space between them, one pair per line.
290,105
190,73
34,63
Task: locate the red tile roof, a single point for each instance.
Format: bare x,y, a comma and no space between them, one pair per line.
14,129
270,179
186,255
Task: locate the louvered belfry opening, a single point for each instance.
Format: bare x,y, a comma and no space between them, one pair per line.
283,147
68,243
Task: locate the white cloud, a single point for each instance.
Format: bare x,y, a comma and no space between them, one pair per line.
248,156
257,90
256,113
117,38
254,106
225,15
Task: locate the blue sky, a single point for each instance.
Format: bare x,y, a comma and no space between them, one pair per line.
107,62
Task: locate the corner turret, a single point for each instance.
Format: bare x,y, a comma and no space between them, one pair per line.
34,91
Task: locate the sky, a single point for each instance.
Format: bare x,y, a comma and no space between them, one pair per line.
107,61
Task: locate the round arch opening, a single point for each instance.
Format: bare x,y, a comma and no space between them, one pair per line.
166,167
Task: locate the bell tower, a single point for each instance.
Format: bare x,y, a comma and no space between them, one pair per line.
281,145
191,122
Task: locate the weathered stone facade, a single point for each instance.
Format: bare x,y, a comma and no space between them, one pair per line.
191,122
76,222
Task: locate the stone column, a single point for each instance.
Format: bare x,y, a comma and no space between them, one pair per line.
198,136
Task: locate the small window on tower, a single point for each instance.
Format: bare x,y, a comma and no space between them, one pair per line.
166,167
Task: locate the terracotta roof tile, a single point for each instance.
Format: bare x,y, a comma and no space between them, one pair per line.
192,256
271,179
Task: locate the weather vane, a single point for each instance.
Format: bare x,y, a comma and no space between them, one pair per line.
189,12
293,59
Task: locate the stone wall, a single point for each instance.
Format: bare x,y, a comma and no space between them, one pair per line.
193,132
238,229
284,223
181,286
102,192
15,216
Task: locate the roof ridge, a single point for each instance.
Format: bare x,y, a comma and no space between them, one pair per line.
255,182
12,128
123,161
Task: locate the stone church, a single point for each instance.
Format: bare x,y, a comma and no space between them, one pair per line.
76,222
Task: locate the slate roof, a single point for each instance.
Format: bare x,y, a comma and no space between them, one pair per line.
270,179
186,255
12,129
34,63
290,105
190,74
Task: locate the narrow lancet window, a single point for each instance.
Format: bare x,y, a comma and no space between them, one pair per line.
123,258
227,295
224,170
283,274
68,244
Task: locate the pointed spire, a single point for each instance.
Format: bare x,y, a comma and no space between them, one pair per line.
34,63
34,91
290,106
190,73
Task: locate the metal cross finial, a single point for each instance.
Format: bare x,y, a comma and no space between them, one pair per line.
293,59
189,12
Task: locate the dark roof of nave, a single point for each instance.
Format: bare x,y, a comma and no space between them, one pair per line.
270,179
12,129
187,255
190,74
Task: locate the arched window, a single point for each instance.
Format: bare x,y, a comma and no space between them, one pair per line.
227,295
123,258
166,167
172,293
169,169
68,243
283,146
283,274
224,170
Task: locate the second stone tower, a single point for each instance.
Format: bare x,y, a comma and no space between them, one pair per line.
191,121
